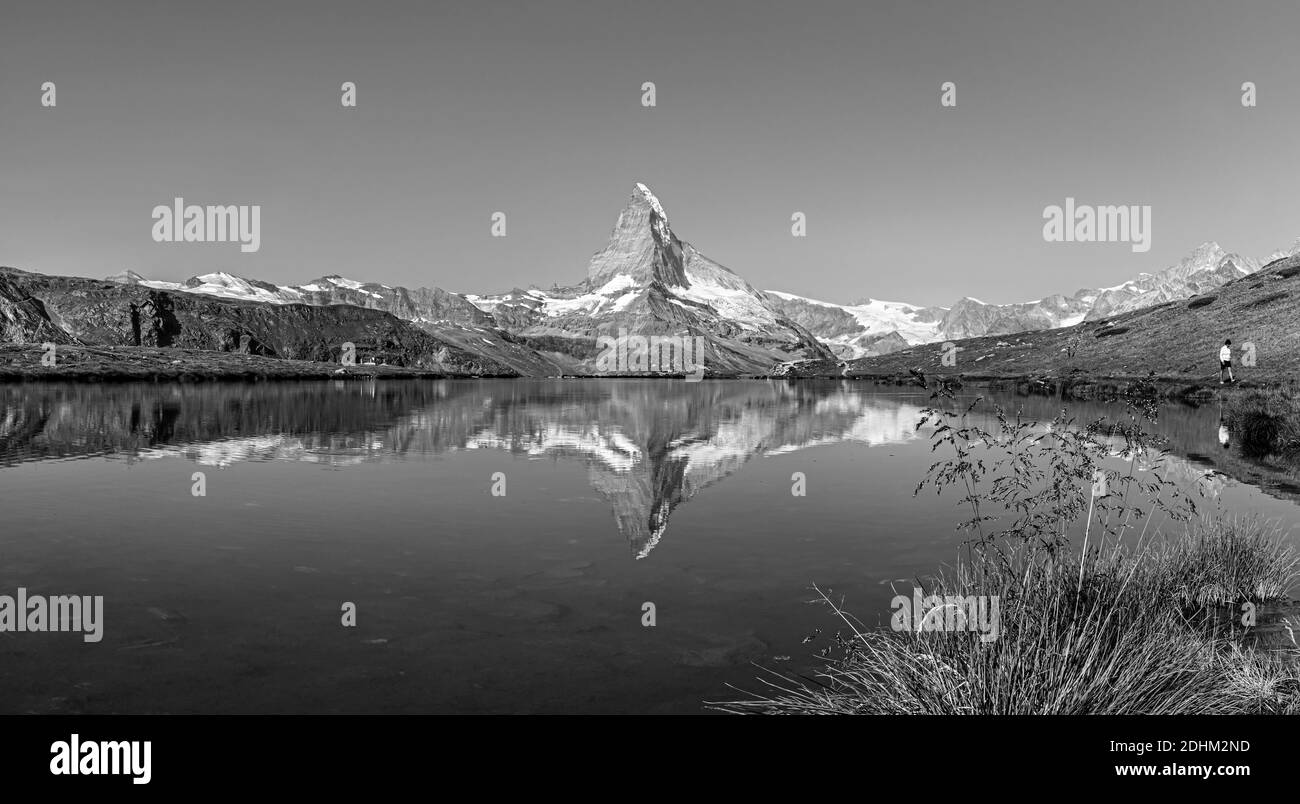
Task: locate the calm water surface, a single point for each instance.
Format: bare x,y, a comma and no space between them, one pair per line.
618,493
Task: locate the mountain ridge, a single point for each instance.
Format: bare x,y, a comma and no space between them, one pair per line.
1207,267
645,282
1176,342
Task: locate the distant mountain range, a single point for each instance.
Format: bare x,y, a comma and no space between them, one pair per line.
1176,341
872,327
645,281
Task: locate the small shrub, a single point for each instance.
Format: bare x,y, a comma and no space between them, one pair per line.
1265,422
1105,333
1201,301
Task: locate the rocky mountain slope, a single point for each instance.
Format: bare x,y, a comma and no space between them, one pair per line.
86,311
1178,340
422,306
646,281
864,328
857,330
23,318
1206,268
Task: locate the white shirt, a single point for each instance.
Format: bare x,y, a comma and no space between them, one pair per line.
1225,353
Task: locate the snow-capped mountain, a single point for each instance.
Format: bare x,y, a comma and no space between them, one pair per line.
869,327
646,281
421,306
1206,268
970,318
875,328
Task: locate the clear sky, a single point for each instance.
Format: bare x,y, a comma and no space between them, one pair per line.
764,108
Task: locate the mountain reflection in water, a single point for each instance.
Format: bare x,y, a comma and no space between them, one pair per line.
648,445
470,603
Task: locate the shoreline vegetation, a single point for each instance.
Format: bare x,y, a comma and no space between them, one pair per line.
77,362
1116,596
1154,632
1267,421
1265,416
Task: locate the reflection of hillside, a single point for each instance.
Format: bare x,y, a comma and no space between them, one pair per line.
1195,456
648,446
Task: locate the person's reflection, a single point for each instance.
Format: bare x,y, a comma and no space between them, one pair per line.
1224,438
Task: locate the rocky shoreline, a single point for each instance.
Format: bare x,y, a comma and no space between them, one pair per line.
82,363
1074,386
74,363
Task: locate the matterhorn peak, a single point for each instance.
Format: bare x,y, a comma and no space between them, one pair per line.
650,199
641,246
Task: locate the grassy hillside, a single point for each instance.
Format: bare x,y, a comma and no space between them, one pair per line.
116,363
1178,340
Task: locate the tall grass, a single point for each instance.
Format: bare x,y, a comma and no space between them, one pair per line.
1265,422
1123,636
1224,561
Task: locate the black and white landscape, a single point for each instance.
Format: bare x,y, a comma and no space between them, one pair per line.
536,358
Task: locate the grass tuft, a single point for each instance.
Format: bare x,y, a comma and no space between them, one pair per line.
1265,422
1101,635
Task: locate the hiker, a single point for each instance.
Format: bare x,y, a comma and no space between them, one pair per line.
1225,361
